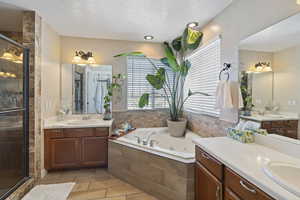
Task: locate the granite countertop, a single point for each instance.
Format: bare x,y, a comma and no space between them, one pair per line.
78,123
262,118
248,161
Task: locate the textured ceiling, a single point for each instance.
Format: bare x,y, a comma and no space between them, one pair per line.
123,19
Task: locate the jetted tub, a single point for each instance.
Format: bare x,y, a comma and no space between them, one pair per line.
180,149
165,170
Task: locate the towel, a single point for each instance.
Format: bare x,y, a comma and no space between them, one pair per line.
229,100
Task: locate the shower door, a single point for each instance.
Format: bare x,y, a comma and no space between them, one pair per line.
13,115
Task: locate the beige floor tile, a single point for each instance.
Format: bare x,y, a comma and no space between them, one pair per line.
114,198
140,196
81,187
90,195
121,190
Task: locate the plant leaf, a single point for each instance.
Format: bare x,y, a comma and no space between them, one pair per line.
134,53
165,61
176,44
191,39
171,58
144,100
158,80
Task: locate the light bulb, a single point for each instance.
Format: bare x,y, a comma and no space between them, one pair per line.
7,56
91,60
76,59
259,68
298,2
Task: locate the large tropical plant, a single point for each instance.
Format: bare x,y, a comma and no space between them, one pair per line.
176,59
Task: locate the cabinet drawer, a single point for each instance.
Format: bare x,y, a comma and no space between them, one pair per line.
101,132
214,166
78,132
54,133
243,188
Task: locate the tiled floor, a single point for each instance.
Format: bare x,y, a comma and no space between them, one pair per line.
96,184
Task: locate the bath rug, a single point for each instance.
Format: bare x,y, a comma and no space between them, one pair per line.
50,192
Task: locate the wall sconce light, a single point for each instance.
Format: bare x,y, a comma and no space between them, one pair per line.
83,58
260,67
298,2
13,55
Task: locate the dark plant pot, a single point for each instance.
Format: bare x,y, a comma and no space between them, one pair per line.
107,114
177,128
247,113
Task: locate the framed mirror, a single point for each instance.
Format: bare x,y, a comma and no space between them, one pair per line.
84,87
269,74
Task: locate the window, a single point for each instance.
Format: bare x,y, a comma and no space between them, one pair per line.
203,77
137,69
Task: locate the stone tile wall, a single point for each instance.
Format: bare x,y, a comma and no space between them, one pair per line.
32,40
142,118
161,177
207,126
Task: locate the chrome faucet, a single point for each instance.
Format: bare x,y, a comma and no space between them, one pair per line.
152,142
146,141
138,139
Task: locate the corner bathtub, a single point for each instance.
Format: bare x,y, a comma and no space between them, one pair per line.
165,170
180,149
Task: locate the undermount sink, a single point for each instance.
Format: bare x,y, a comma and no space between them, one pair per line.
287,175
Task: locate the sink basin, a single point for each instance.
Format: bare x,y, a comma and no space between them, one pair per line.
287,175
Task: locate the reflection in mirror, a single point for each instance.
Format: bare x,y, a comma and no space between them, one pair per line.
270,71
84,87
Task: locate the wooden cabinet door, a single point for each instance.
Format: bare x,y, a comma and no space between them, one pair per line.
208,187
94,151
229,195
64,153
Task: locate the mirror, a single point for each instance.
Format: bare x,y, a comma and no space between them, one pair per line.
84,87
269,75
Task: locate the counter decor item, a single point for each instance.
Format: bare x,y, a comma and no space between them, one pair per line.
176,59
244,136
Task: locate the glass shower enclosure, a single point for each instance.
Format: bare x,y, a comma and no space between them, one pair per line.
14,115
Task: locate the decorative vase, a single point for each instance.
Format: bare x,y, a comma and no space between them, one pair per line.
177,128
107,114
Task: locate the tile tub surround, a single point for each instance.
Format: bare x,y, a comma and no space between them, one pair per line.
164,178
207,126
142,118
248,160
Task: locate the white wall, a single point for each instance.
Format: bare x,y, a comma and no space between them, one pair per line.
286,80
50,72
242,19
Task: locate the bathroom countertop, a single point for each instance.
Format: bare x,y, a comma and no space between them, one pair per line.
262,118
90,123
248,161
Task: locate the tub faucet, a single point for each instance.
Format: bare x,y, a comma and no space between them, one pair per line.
138,139
146,141
152,142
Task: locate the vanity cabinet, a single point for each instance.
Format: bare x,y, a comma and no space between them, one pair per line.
215,181
75,148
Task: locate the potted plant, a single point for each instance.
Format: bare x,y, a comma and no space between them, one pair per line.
246,95
116,84
175,59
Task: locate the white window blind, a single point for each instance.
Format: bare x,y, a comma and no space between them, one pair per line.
203,77
137,69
